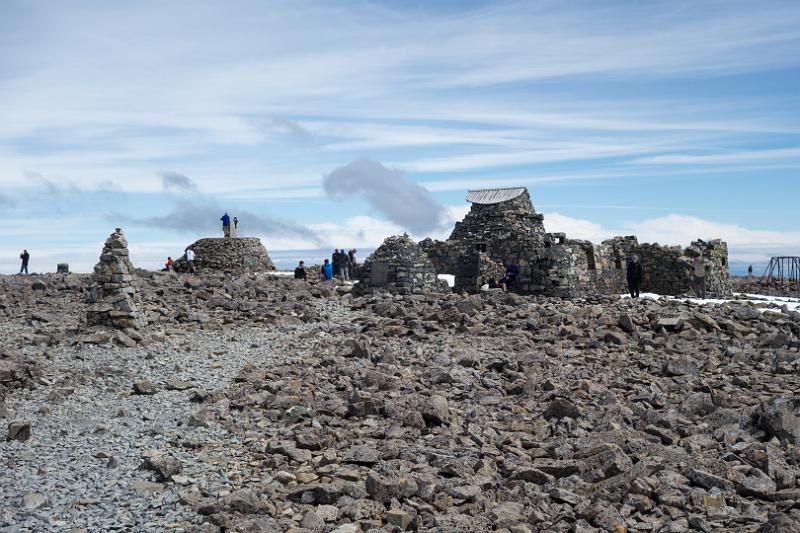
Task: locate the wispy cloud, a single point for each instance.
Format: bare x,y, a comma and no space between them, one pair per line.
402,201
775,154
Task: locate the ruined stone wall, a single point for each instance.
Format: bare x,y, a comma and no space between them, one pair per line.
475,269
610,258
551,264
236,255
399,265
718,282
443,255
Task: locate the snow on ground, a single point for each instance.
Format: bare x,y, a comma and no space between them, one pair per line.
449,278
791,304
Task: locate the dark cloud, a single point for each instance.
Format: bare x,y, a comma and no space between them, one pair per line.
179,182
202,217
402,201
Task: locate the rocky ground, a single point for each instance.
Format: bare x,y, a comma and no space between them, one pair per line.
264,404
754,285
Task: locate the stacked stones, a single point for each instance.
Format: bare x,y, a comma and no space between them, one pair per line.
399,265
237,255
112,297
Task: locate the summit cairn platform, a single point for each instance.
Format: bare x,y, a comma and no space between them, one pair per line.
235,255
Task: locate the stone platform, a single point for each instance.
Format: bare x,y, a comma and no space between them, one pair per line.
245,254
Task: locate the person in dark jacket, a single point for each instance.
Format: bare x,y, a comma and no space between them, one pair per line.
512,271
344,265
635,275
300,271
335,262
25,256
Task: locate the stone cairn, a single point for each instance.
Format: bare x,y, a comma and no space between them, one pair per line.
112,297
399,266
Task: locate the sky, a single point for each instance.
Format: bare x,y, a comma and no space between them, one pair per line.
336,124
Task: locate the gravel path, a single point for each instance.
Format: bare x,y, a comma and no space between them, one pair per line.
80,468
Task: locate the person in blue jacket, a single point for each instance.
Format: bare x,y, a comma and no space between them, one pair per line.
512,271
327,271
226,224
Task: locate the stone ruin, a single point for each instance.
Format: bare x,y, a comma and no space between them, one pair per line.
62,268
112,296
398,266
502,226
233,255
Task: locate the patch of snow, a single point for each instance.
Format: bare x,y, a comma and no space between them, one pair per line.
282,273
449,278
791,304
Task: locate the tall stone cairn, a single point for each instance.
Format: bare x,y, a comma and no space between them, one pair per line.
112,297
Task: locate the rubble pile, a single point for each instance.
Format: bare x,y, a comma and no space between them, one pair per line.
261,403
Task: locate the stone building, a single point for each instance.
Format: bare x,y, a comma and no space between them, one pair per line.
398,266
502,226
233,255
112,297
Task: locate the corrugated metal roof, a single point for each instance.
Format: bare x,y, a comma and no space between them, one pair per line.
494,196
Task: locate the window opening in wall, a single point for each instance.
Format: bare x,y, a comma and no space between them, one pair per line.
590,259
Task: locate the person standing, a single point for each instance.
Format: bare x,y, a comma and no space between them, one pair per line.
344,265
635,275
750,271
699,268
300,271
226,224
190,259
335,261
168,265
234,227
25,256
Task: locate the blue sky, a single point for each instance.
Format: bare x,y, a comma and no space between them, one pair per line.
669,120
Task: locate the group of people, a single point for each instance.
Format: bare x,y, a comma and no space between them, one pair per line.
190,256
701,267
507,281
340,265
229,225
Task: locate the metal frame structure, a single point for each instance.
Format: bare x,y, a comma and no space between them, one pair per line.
784,270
